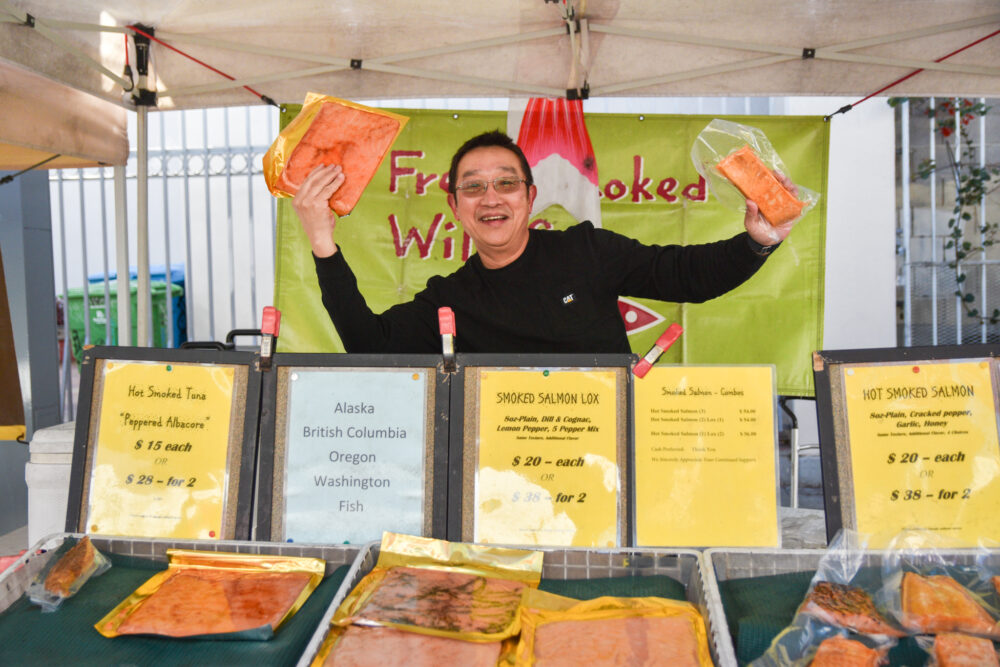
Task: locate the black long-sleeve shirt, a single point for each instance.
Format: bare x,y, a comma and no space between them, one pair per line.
560,295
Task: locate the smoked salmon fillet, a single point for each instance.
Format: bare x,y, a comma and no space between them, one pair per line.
938,603
362,646
752,177
73,564
355,139
639,641
451,601
207,602
843,652
957,650
847,607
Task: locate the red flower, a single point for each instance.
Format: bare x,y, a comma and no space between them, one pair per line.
946,131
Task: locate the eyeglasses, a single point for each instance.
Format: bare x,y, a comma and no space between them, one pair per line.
504,185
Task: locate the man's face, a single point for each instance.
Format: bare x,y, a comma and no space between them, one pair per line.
497,223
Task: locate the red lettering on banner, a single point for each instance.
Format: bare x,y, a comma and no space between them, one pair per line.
638,182
395,171
666,188
466,247
449,242
424,245
615,190
423,180
540,222
696,191
443,183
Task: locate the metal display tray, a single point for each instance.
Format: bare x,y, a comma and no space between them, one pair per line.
685,566
725,564
15,580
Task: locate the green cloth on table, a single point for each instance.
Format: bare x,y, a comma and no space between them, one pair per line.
67,636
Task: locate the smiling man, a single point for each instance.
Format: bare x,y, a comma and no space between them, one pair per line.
525,290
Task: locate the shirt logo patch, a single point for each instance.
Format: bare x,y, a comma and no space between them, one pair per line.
568,298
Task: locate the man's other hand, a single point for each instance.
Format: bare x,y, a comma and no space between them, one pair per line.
312,204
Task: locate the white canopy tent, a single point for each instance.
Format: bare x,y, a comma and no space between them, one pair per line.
359,49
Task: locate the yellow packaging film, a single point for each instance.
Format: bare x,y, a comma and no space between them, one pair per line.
438,588
160,467
705,457
612,631
329,130
212,594
924,451
548,459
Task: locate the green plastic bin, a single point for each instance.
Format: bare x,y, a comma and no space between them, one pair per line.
98,325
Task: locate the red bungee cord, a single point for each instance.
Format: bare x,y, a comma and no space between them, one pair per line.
847,108
145,34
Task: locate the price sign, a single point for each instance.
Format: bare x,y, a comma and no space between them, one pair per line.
355,454
547,458
924,449
161,459
705,457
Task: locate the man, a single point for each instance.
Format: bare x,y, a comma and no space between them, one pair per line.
524,290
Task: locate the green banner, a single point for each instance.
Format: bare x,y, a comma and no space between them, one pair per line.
402,232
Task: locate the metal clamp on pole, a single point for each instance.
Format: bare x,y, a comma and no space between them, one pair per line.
269,326
662,344
446,324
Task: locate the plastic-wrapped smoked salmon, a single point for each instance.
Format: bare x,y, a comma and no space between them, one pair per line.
217,595
848,607
362,646
840,651
952,649
66,574
938,603
737,161
328,131
612,631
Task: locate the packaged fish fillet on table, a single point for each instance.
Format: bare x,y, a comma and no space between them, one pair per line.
437,590
839,619
930,590
216,595
66,573
611,631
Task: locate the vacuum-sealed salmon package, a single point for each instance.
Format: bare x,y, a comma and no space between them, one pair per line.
738,162
953,649
934,589
611,631
329,131
438,590
842,620
73,565
216,595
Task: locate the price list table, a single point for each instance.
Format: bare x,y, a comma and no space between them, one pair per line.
924,451
705,468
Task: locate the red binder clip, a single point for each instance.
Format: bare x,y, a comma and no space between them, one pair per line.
662,344
269,325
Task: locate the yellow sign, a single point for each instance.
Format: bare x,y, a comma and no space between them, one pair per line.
924,449
705,457
160,463
547,471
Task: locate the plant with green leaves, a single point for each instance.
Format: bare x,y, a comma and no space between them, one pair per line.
973,182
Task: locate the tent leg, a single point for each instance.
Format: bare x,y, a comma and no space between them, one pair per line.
121,260
144,297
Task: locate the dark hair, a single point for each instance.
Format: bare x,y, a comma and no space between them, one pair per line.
484,140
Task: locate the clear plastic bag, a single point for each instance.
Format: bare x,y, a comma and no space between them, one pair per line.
73,565
932,588
839,603
721,139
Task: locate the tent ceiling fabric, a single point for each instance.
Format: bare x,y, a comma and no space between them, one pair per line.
439,48
42,118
